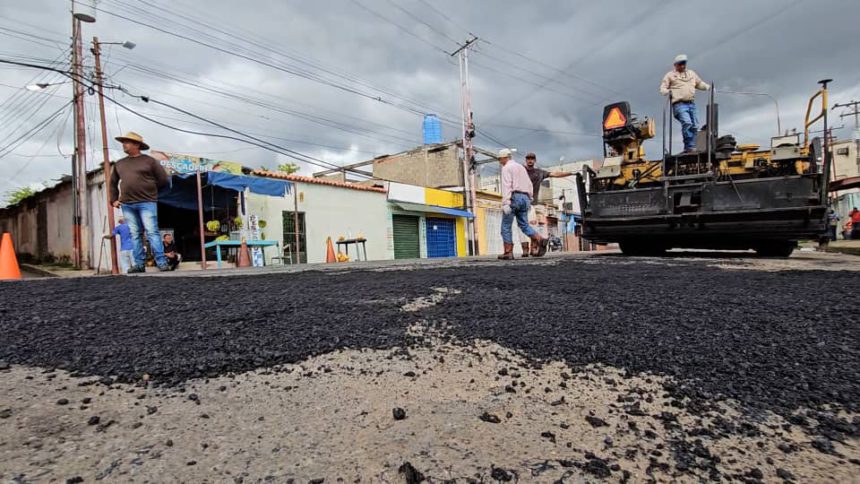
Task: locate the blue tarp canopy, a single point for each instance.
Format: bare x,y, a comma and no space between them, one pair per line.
182,191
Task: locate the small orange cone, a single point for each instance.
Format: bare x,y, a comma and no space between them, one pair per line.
9,269
244,255
329,255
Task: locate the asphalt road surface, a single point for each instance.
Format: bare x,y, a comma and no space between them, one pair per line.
598,367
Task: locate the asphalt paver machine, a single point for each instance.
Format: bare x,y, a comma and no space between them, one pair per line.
723,195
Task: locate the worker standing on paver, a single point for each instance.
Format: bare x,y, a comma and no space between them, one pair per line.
516,200
141,176
680,85
537,177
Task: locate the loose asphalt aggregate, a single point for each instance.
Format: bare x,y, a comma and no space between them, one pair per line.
786,341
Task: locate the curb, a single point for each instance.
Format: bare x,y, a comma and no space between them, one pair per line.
37,270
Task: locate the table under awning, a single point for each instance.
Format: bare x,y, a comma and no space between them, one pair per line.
419,207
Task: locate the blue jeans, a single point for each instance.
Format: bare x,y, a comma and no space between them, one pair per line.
143,217
685,113
520,204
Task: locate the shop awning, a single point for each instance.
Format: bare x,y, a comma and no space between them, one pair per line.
262,186
182,191
418,207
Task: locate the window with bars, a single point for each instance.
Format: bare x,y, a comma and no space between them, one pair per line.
290,236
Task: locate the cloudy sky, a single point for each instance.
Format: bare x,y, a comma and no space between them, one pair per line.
347,80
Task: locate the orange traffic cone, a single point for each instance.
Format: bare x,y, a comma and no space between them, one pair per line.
329,255
9,269
244,255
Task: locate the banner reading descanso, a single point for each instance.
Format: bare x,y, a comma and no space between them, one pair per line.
179,163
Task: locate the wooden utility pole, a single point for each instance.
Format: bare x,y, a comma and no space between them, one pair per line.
468,132
106,168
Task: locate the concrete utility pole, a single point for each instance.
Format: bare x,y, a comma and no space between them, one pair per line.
106,168
468,131
79,160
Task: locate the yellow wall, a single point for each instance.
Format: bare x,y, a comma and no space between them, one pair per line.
462,250
443,198
481,228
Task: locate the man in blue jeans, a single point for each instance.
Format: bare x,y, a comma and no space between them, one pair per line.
680,85
141,176
516,202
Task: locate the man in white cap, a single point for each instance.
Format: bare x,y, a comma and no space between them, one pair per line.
142,176
516,202
680,85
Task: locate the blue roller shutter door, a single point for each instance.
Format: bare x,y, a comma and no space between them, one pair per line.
441,237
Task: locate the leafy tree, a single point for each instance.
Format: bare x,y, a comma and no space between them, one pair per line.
288,168
15,196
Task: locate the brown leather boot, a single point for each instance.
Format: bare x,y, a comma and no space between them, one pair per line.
525,249
509,252
539,246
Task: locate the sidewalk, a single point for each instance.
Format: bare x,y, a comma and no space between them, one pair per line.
851,247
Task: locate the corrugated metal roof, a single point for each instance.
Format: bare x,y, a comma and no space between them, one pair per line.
317,181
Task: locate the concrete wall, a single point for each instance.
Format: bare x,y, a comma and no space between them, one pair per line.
845,161
330,212
428,166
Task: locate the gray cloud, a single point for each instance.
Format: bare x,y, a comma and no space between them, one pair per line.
608,51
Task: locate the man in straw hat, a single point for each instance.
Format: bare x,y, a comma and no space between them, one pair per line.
141,176
516,202
680,85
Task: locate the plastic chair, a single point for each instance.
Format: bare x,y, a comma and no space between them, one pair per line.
286,255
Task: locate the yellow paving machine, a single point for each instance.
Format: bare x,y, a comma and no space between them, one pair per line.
723,195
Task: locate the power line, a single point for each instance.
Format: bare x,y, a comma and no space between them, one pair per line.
422,21
401,27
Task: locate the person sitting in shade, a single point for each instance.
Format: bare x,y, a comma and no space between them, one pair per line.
173,257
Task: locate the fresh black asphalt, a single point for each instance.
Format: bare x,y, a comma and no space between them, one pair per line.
784,341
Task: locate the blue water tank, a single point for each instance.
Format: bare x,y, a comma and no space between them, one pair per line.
432,129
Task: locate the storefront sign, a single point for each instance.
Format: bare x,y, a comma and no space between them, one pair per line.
179,163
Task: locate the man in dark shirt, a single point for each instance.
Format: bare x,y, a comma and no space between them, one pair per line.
173,257
141,176
537,176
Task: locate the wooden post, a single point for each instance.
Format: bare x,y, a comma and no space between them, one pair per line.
200,220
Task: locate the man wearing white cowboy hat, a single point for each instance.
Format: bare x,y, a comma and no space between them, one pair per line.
141,176
516,202
681,84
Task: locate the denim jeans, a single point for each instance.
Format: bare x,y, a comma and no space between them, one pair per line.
143,217
520,204
685,113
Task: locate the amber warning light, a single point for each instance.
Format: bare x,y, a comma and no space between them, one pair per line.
615,119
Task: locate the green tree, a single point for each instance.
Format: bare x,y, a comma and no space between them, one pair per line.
288,168
15,196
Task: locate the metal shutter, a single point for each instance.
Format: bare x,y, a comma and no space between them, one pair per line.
441,237
406,239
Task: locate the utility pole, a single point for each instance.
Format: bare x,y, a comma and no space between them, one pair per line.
106,168
468,131
79,160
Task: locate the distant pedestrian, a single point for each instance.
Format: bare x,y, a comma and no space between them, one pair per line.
126,246
537,176
855,224
680,85
141,176
516,201
832,223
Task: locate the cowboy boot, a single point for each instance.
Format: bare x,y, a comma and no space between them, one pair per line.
539,246
525,249
509,252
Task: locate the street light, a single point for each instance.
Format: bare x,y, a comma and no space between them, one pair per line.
43,85
775,102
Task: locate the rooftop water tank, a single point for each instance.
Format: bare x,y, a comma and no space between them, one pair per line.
432,129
